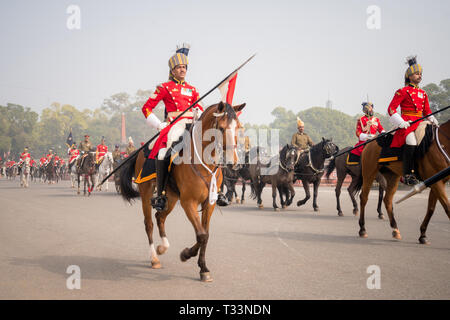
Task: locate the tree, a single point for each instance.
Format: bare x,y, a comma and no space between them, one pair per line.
439,97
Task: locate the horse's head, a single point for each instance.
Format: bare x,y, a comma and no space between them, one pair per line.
328,148
289,156
225,120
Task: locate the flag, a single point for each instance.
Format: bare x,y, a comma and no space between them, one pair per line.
69,140
227,89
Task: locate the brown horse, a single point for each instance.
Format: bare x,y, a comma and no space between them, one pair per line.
188,182
429,163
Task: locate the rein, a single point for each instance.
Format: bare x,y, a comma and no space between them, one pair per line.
440,147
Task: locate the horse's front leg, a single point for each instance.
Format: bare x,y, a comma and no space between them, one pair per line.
292,193
307,193
274,196
201,231
78,179
280,192
243,191
316,193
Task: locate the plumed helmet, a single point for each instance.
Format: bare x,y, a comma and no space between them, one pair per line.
365,108
413,67
300,123
180,57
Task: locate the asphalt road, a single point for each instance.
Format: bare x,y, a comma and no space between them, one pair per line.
252,254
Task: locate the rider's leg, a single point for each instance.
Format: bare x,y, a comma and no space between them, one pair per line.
409,150
162,166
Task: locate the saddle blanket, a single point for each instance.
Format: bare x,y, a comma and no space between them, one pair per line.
352,159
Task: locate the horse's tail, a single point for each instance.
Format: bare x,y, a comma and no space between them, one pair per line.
126,184
331,166
359,184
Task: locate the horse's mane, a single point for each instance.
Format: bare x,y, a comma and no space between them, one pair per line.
229,112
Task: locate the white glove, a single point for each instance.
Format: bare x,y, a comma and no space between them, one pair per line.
363,136
153,121
433,120
162,125
397,121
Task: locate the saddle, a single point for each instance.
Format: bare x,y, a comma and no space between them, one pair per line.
353,159
424,136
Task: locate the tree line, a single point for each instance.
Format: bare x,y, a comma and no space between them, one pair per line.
21,127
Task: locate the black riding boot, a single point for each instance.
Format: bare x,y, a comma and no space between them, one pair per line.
159,202
409,177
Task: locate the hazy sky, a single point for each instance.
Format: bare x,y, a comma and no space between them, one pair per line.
305,50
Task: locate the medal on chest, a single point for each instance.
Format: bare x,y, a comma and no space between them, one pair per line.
186,92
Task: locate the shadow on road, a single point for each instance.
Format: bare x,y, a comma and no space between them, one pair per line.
97,268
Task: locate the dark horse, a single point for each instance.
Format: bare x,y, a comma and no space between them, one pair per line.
50,171
280,176
354,170
89,170
310,168
233,174
432,158
189,182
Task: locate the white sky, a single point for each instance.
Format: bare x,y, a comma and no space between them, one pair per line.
305,50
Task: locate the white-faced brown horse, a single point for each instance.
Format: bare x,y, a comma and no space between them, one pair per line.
429,162
189,182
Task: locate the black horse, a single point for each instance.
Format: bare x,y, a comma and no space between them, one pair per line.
310,168
279,172
354,170
231,175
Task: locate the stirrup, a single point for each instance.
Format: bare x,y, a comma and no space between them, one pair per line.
159,203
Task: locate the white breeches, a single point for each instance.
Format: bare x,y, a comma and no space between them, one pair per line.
411,139
174,134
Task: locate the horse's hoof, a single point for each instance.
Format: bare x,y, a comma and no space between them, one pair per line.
340,214
355,212
363,234
205,277
381,217
276,209
316,209
300,203
161,249
283,206
184,255
423,240
260,206
242,201
238,201
396,234
156,265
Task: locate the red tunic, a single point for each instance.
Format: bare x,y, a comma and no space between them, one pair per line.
414,104
176,97
367,126
101,151
42,161
73,154
24,155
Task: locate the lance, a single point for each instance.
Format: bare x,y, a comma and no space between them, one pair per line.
418,188
133,155
385,133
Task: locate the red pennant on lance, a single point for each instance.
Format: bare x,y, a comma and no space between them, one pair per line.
227,89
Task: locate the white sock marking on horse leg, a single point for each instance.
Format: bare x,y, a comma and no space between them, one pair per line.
165,242
152,252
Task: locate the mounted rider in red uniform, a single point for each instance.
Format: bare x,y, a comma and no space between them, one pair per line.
414,104
24,155
177,96
102,149
73,155
367,127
